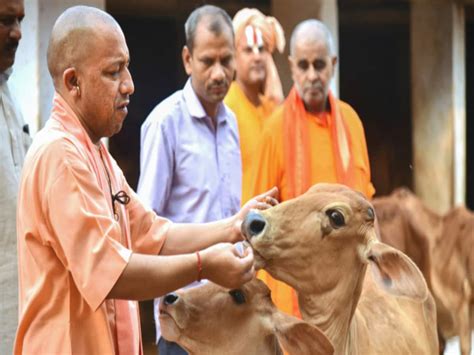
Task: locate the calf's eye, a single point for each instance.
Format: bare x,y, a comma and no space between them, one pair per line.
237,296
336,218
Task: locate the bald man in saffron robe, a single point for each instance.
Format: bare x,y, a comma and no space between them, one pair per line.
313,137
256,91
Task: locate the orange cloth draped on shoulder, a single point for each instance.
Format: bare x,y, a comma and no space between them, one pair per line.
250,120
74,242
299,149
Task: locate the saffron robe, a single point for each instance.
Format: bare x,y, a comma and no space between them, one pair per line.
250,120
74,242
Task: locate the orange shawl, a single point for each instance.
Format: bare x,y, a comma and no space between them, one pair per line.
297,145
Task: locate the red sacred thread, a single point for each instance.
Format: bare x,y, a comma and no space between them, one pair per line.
199,266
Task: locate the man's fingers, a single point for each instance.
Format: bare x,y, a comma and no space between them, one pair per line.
271,200
265,201
240,249
247,260
249,275
246,245
262,206
273,192
268,200
247,248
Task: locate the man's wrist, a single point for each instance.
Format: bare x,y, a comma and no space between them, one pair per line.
199,266
204,256
233,227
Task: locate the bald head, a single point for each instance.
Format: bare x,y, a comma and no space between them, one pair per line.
312,61
312,31
73,35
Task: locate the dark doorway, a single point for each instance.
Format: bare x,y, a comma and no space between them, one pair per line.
375,80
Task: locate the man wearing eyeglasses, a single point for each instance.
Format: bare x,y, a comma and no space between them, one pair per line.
313,137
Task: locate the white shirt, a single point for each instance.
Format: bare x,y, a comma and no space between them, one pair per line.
13,145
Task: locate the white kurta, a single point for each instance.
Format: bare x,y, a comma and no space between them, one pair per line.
13,145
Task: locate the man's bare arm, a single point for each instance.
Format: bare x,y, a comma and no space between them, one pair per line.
150,276
187,238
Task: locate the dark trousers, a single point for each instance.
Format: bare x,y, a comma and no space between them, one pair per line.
166,347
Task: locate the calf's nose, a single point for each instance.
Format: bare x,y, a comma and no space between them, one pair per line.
170,298
254,223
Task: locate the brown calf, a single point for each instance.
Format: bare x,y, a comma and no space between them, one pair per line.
443,248
213,320
321,244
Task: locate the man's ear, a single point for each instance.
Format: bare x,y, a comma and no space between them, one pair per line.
334,63
291,62
71,82
298,337
396,273
187,58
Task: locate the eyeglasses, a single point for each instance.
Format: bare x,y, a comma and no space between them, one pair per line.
318,64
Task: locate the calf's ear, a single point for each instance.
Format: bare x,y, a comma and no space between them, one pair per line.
396,273
298,337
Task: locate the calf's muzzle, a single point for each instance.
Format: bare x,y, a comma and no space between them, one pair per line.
254,223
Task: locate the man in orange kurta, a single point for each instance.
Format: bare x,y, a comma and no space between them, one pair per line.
256,91
312,137
87,247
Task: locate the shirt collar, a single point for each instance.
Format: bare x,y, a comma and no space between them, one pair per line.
64,114
194,106
5,75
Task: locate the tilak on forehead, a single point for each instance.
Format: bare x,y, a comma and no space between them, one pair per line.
254,38
260,31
